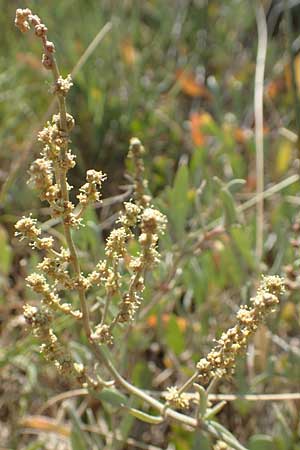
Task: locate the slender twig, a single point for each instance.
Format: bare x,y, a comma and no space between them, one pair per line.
91,48
256,397
258,111
142,395
109,297
257,198
162,408
212,397
232,397
268,192
212,385
61,397
188,383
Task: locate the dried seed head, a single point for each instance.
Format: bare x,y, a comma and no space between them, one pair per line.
21,19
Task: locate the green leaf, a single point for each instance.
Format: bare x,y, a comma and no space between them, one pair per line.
261,442
229,207
79,439
230,214
5,253
178,199
242,240
230,267
112,396
201,442
144,417
195,278
222,433
174,337
202,400
211,412
141,375
235,185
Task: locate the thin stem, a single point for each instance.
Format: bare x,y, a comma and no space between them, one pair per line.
212,385
105,309
109,295
62,174
288,396
142,395
258,112
188,383
256,397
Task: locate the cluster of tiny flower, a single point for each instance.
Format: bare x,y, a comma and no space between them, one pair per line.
221,359
140,215
221,445
48,174
176,399
40,320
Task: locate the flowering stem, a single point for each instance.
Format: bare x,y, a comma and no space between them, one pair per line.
163,409
62,180
182,418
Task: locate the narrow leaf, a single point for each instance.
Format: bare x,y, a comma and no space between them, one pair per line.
113,397
144,417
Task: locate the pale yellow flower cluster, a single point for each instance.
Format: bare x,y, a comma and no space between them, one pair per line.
175,399
221,359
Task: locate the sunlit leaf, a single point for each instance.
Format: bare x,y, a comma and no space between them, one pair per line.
284,156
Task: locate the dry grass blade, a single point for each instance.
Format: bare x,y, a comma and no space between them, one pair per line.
258,111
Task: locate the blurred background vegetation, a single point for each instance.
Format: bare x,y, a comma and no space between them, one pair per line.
178,74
